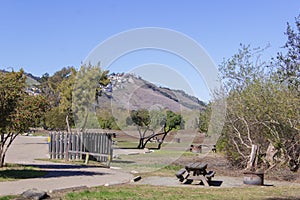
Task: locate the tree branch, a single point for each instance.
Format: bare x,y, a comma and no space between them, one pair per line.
248,129
239,134
238,149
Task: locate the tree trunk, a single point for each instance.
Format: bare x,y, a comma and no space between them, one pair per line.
270,154
141,144
69,132
252,164
85,121
68,125
2,158
9,138
162,141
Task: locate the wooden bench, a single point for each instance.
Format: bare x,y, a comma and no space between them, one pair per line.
210,175
182,174
195,171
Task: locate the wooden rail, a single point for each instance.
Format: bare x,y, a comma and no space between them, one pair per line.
76,146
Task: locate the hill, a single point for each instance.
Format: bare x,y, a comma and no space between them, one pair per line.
130,92
31,79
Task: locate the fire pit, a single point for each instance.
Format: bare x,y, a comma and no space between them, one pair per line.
254,178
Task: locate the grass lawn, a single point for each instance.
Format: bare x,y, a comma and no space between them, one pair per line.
135,192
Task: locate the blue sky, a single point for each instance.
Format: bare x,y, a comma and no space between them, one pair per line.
44,36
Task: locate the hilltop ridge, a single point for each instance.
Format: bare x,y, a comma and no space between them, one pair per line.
132,92
129,91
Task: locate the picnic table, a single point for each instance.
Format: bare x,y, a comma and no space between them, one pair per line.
195,171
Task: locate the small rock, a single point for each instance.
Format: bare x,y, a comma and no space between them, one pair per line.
116,156
106,184
146,150
134,172
117,168
137,178
114,142
133,153
35,194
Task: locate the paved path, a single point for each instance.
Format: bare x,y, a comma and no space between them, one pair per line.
217,181
60,176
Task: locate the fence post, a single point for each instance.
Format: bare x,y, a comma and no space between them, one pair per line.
88,144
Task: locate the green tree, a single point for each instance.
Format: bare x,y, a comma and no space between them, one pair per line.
204,119
287,65
173,121
58,90
50,84
260,111
18,110
106,119
287,72
65,89
141,118
154,125
244,82
55,119
89,85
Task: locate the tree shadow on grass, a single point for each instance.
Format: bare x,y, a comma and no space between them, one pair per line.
48,171
12,174
123,161
120,147
61,166
66,173
15,174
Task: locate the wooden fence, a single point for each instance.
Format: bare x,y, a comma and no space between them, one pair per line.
78,146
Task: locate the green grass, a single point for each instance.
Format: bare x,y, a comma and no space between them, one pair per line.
40,134
162,171
126,144
13,172
78,162
158,161
7,197
134,143
136,192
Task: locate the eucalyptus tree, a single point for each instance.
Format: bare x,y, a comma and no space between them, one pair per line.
89,85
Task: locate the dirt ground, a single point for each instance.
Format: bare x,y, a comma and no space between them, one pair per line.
225,176
216,161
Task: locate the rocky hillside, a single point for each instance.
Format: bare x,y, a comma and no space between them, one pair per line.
131,93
